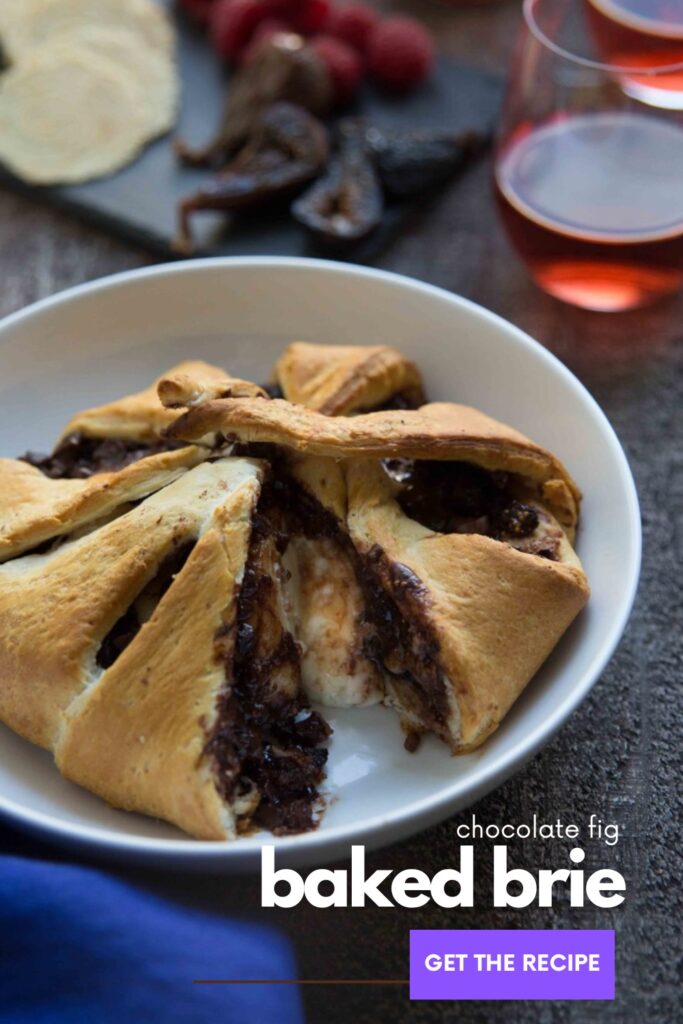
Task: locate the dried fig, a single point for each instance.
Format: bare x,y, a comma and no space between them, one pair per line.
288,147
346,204
410,163
284,68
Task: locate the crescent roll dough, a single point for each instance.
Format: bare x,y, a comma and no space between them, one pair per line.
339,380
323,589
164,607
35,508
141,416
152,655
441,430
464,612
463,621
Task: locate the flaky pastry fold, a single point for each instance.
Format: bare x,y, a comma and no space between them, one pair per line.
122,650
463,620
35,508
439,431
140,416
339,380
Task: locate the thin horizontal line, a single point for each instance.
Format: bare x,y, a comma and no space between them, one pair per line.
306,981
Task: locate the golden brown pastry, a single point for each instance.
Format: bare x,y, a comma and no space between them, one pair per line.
161,615
462,529
470,582
338,380
195,383
323,589
439,431
152,655
35,508
139,417
112,436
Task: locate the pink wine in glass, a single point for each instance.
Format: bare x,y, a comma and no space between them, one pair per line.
645,34
593,203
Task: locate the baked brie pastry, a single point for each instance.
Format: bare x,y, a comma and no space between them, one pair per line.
340,380
462,528
150,649
36,509
176,585
109,437
470,583
322,585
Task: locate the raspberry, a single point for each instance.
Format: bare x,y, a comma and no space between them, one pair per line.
343,66
352,24
233,23
400,54
305,16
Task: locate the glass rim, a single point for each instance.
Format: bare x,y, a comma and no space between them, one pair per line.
545,40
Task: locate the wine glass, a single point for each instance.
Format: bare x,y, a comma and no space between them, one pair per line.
643,35
589,177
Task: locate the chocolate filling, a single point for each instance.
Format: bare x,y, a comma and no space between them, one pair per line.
400,639
266,736
393,632
459,497
79,457
127,627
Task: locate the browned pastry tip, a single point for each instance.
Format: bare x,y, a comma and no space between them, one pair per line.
338,380
35,508
439,431
140,416
186,388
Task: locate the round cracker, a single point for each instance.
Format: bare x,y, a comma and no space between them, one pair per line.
152,70
68,114
27,24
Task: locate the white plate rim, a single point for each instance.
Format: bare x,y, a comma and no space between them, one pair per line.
383,828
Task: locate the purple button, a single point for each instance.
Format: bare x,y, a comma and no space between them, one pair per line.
514,964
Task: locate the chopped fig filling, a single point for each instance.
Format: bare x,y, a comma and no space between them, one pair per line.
393,632
400,640
266,737
459,497
127,627
79,457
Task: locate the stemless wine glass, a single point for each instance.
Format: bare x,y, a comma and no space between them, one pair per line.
589,178
643,35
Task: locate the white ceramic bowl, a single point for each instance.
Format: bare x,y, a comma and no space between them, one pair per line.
104,339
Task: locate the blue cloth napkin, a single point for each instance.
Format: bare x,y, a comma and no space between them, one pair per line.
80,945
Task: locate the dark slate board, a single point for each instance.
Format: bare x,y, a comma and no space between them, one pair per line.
139,203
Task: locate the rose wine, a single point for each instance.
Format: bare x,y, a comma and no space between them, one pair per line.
645,34
594,205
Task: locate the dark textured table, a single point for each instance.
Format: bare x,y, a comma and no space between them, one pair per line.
619,755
